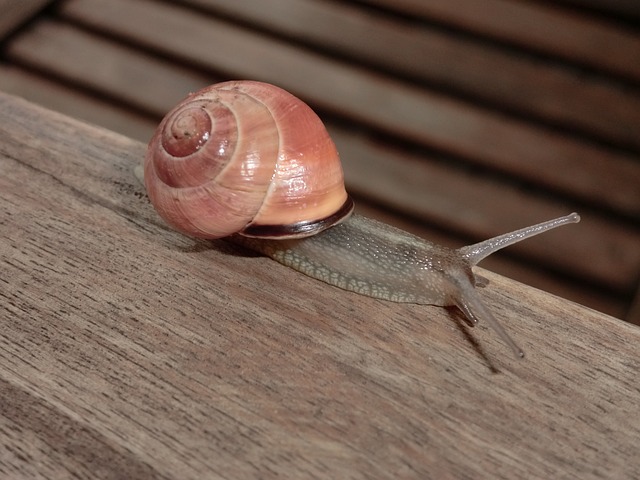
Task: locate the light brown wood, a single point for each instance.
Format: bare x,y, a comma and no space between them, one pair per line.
130,351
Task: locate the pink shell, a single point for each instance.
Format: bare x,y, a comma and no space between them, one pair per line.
245,157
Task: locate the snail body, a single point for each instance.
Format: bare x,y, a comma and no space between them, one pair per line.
378,260
252,162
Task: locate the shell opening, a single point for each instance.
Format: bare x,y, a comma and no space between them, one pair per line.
300,229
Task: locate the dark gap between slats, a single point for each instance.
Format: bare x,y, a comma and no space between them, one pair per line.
610,13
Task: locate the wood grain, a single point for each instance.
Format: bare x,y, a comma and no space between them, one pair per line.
130,351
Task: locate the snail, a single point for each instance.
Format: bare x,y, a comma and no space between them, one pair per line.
249,161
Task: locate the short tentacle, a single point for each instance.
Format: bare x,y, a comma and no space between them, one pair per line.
471,305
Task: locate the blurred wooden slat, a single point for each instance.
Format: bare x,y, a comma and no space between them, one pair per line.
128,350
418,115
548,91
537,26
77,56
75,104
14,13
426,189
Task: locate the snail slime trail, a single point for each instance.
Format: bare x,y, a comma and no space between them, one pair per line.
249,161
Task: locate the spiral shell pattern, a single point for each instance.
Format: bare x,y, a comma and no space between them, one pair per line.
245,157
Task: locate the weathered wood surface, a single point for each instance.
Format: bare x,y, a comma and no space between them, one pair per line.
130,351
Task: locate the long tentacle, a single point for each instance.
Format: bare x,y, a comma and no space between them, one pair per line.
475,253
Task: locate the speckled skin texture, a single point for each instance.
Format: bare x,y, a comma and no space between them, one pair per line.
371,258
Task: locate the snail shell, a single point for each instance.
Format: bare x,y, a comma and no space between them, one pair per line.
245,157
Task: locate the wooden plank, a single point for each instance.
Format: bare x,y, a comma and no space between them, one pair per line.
114,328
478,208
541,27
506,79
17,12
540,156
